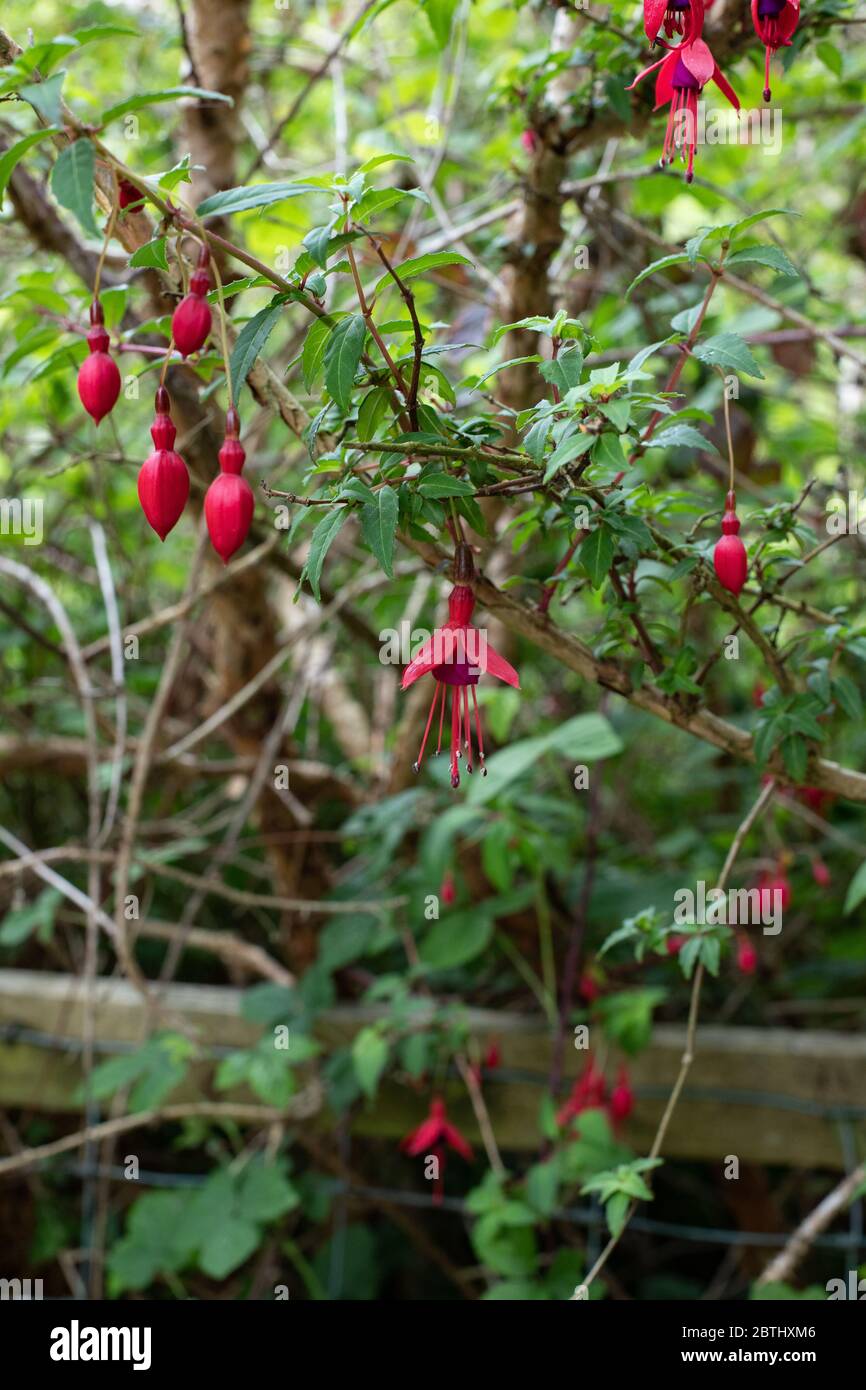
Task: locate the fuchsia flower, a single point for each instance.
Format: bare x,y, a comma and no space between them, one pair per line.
775,22
436,1135
587,1093
684,17
682,75
621,1098
456,655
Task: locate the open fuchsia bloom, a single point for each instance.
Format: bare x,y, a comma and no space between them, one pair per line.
775,22
587,1093
682,75
685,17
435,1136
457,655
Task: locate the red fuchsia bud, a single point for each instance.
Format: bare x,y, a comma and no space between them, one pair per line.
493,1056
774,888
758,693
621,1101
747,956
529,140
163,482
447,891
127,193
191,321
729,557
820,873
814,798
232,456
228,509
98,375
675,944
587,987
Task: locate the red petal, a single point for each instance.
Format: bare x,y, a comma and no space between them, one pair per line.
725,87
699,60
422,1139
495,665
653,14
646,72
665,80
789,19
436,650
452,1136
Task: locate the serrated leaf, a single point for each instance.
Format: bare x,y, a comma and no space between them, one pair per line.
320,543
259,195
17,151
151,254
443,485
727,350
596,554
679,436
317,241
379,526
759,254
564,371
378,159
570,449
45,97
251,340
409,270
123,108
72,182
314,350
677,259
342,354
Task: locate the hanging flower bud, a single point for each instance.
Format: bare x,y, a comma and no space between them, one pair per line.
229,502
163,482
447,890
191,321
621,1101
775,22
774,889
127,193
98,375
820,873
729,557
747,956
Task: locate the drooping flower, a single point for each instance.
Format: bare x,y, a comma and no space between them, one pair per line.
730,560
436,1135
447,890
621,1101
820,873
587,1093
685,17
775,22
681,77
456,655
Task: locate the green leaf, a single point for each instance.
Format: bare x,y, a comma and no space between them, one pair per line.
257,195
342,354
151,254
17,151
369,1058
251,340
564,371
440,14
856,890
314,351
376,160
746,222
44,97
410,269
458,938
773,256
317,242
662,264
570,449
679,436
320,544
379,526
151,98
443,485
608,451
584,738
72,182
20,922
727,350
231,1241
596,554
264,1193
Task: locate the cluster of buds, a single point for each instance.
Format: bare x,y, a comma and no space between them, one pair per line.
590,1092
